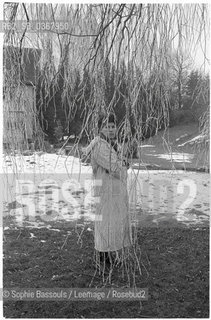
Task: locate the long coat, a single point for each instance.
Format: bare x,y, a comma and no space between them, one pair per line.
112,221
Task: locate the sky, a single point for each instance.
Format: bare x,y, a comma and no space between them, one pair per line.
186,40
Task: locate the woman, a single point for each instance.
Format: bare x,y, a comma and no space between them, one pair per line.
112,223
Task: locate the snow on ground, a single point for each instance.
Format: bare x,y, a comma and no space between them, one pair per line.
198,139
45,187
175,157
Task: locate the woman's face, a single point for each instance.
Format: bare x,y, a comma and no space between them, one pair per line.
109,130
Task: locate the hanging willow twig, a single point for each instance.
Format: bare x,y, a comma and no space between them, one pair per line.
112,57
131,46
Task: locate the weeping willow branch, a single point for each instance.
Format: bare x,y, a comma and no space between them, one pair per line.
112,56
122,58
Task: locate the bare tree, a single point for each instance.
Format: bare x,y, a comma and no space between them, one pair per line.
126,44
138,34
179,67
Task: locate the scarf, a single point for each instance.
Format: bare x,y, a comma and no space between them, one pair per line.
112,142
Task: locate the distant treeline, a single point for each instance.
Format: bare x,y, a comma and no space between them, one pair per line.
71,108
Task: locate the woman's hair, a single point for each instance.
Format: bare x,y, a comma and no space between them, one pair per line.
103,119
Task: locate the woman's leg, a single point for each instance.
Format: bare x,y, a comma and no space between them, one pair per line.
104,256
107,257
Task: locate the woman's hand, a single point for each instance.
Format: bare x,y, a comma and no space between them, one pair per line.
121,175
83,154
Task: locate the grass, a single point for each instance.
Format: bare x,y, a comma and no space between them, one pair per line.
176,260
